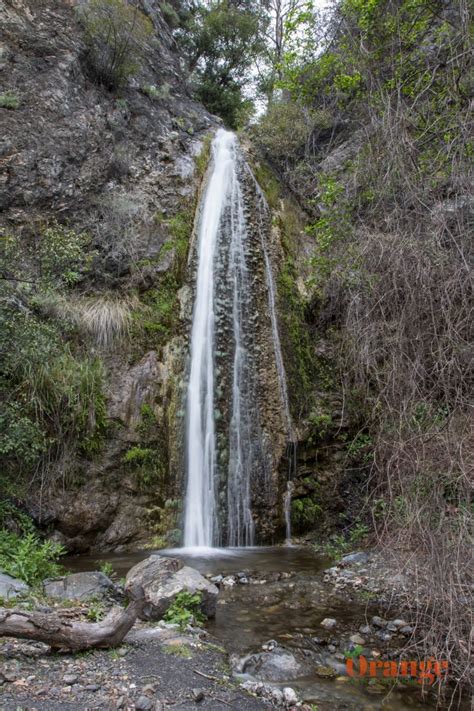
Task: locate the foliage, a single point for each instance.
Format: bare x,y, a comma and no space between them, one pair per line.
384,181
116,34
52,396
343,543
305,514
55,257
147,464
13,519
28,558
155,93
107,568
9,100
164,520
221,40
95,610
185,610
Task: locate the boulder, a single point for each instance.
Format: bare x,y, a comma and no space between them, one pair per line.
277,665
359,557
11,587
162,579
79,586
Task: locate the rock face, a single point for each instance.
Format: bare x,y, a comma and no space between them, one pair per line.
79,586
162,579
119,167
11,587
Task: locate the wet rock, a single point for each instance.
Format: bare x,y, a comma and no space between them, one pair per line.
11,587
289,696
229,581
359,557
79,586
328,623
277,665
162,579
270,645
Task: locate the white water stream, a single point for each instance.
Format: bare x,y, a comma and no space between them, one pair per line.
224,246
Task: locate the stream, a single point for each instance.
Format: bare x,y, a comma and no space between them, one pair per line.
284,599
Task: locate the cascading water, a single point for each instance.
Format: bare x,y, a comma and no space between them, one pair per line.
235,359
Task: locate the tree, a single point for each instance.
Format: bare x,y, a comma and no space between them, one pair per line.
116,35
221,40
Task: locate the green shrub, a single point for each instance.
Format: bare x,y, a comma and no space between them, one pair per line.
184,610
138,455
116,34
155,93
28,558
305,513
9,100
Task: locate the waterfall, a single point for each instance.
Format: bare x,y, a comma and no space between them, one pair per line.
234,346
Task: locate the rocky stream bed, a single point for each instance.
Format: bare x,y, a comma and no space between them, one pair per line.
285,623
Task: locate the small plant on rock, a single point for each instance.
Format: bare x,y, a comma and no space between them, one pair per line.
184,610
9,100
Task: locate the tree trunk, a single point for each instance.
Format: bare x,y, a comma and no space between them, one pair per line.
66,634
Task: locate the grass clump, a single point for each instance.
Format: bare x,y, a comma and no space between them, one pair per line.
9,100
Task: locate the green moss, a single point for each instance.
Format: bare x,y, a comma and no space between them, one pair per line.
202,160
147,464
295,337
269,184
305,514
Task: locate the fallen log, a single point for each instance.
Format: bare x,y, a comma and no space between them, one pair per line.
61,633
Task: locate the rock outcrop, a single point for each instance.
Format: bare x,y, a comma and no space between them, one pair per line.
162,579
121,167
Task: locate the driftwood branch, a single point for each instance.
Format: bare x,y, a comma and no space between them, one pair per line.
61,633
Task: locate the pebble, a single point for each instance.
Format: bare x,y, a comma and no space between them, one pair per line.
144,703
325,672
407,630
328,623
378,621
357,639
399,623
70,679
331,648
289,696
365,629
198,695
